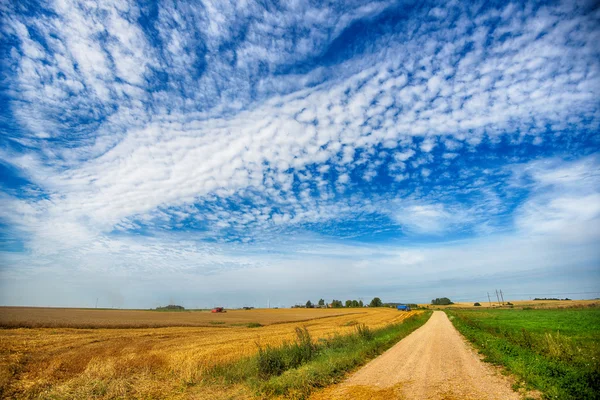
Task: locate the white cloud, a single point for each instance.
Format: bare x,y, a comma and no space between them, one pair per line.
427,145
425,219
564,200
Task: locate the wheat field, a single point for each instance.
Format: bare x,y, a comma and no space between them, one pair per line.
165,362
40,317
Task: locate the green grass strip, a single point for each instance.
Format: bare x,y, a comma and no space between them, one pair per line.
545,361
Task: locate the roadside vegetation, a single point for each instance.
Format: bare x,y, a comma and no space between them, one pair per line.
296,368
554,351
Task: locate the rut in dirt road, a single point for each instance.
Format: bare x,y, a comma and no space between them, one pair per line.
434,362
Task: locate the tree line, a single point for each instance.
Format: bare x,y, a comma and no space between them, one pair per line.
376,302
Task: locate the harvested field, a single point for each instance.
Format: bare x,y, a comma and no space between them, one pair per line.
38,317
160,362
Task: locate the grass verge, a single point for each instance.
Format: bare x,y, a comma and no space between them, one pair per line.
295,369
554,351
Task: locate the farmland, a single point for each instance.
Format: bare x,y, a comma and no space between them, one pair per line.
33,317
554,351
104,362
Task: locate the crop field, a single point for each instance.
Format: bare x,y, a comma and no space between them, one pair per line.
153,362
33,317
555,351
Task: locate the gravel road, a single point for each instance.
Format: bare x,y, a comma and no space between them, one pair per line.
434,362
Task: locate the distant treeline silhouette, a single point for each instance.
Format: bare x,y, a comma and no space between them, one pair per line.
550,298
171,307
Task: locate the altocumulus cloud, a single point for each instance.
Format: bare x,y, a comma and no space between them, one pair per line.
214,152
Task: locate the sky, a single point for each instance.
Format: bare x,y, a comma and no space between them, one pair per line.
267,153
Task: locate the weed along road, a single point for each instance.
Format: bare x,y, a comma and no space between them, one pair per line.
434,362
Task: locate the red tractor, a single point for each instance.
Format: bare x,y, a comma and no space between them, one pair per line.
218,309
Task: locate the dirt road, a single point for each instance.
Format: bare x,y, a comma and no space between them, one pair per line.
434,362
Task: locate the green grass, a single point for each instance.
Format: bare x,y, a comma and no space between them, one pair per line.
295,369
555,351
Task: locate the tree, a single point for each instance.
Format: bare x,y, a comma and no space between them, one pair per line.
336,303
354,303
477,305
360,303
441,301
348,303
376,302
321,302
308,304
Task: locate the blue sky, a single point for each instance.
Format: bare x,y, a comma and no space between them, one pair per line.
238,153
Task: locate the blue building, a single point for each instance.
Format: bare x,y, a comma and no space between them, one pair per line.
403,307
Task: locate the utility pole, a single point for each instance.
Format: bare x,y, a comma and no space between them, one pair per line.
498,296
489,300
502,296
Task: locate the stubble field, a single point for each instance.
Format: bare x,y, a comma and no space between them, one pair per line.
66,362
38,317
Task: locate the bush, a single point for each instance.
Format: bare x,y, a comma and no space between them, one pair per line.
274,361
477,305
303,350
364,332
270,362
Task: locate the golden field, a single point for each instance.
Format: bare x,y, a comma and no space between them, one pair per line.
164,362
38,317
